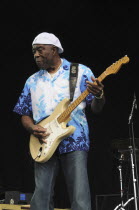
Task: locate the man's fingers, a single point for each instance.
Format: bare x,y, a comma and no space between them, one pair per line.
99,83
41,134
40,130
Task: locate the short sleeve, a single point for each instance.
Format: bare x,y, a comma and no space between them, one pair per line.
23,105
87,74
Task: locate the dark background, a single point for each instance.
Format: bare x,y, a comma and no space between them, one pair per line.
94,33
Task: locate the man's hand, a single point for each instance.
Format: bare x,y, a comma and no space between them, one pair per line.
95,87
40,132
37,130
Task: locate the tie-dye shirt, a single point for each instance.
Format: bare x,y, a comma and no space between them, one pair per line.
42,93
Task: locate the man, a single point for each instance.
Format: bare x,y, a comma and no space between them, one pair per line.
41,94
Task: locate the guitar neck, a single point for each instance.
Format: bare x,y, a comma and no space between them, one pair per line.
74,104
114,68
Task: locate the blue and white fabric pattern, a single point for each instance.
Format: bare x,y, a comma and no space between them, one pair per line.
42,93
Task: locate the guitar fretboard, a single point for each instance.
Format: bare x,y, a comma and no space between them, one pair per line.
114,68
73,105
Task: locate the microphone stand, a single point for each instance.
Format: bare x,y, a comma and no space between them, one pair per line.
132,149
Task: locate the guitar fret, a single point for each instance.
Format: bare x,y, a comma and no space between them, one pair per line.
72,106
102,76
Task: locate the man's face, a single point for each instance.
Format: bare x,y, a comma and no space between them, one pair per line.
43,55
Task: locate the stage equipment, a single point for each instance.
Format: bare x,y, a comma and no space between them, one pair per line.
132,148
121,145
19,207
109,201
16,197
128,151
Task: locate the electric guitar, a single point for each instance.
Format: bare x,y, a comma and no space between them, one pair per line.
56,123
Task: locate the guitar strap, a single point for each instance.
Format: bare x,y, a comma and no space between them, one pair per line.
73,78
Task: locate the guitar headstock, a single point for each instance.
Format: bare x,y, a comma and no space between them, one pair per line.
115,67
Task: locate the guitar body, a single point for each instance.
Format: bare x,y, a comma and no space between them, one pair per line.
42,152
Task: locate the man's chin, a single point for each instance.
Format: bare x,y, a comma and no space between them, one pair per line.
40,66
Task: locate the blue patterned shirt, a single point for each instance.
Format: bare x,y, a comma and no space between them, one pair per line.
42,93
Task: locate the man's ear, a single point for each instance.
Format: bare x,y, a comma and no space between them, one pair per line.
55,50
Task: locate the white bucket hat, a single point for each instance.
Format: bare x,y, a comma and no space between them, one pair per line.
48,38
